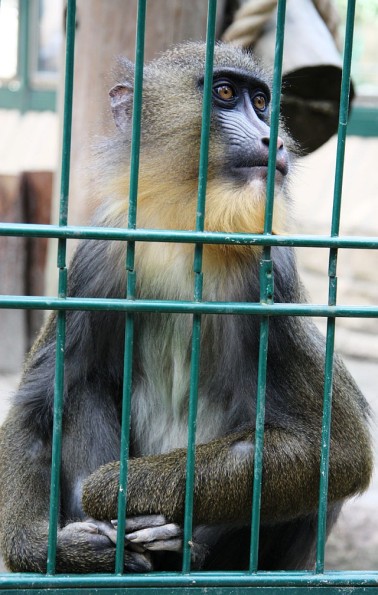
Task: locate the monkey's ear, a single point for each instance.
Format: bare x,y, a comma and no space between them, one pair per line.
121,102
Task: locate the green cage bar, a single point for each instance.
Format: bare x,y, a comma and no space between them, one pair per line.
266,289
219,583
198,283
188,307
332,291
131,281
188,237
61,317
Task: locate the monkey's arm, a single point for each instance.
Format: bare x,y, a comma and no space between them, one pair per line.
224,478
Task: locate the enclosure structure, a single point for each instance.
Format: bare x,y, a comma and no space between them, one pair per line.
186,581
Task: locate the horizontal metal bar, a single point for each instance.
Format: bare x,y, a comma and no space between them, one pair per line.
187,237
345,579
15,302
33,99
205,590
363,121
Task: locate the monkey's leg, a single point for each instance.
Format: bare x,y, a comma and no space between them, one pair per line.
224,477
25,470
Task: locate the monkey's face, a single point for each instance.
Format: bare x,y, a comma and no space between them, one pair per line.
241,110
171,130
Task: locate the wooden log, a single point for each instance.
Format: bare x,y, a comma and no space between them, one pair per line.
104,31
36,196
12,269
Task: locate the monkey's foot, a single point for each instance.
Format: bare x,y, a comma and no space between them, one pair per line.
97,538
152,533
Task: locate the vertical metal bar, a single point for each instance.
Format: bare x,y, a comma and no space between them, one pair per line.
131,281
198,280
61,316
266,289
332,290
23,53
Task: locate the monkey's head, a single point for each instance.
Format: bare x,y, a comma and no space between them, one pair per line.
170,141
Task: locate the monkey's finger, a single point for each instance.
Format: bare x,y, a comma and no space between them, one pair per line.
88,526
164,532
110,532
102,527
169,545
135,547
142,522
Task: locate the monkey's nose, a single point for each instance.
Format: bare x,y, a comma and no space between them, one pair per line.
266,139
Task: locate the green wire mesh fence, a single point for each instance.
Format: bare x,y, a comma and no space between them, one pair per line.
219,582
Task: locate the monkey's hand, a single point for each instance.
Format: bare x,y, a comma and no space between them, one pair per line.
152,532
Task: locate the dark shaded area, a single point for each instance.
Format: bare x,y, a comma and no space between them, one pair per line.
310,104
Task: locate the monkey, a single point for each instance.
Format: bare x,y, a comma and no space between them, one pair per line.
167,199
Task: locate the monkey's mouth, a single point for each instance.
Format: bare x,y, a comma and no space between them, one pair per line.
260,172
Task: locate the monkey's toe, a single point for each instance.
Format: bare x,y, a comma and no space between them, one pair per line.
95,540
138,562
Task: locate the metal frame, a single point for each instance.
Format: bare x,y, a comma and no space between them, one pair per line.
24,93
363,121
184,582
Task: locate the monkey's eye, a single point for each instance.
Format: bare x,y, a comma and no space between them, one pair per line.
224,91
260,102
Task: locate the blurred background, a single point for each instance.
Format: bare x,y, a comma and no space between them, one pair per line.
31,101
